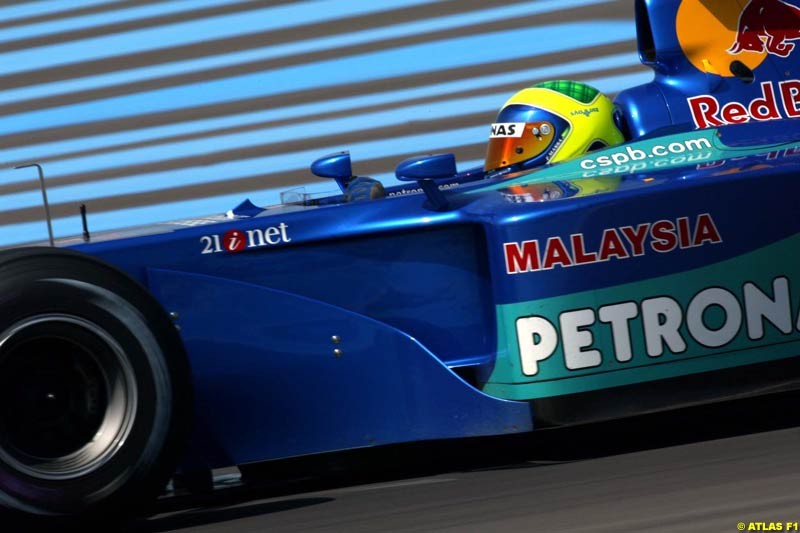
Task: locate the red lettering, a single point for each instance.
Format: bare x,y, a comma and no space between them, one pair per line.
663,235
579,252
705,230
555,253
765,108
524,259
611,245
234,240
735,113
790,90
683,233
707,113
704,107
711,164
636,237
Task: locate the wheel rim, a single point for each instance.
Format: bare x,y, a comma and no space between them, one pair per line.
67,396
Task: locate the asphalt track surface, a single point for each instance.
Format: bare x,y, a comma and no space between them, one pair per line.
706,469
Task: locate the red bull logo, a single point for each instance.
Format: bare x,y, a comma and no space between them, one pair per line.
767,25
777,101
716,34
713,33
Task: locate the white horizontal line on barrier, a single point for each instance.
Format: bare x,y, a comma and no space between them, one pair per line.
198,207
241,168
435,56
192,32
177,68
307,111
47,7
117,16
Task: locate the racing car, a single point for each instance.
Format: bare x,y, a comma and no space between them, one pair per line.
655,268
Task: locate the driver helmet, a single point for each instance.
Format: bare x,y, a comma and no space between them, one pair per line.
550,122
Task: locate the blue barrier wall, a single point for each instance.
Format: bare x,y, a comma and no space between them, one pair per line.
157,110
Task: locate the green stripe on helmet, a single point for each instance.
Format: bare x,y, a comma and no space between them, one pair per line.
574,89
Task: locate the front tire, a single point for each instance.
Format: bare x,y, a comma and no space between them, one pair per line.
94,388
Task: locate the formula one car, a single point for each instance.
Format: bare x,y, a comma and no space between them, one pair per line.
656,273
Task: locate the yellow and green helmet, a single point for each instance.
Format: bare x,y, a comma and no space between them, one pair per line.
550,122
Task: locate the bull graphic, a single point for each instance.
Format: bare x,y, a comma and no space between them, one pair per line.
770,22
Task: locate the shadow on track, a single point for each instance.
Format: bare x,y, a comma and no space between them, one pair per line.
292,480
214,514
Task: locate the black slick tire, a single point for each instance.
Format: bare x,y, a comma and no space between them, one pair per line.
95,390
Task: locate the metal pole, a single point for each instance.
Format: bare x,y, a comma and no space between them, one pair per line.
86,236
44,197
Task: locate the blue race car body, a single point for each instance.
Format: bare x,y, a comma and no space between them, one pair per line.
313,328
317,328
659,273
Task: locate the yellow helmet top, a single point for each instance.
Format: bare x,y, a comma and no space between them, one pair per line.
551,122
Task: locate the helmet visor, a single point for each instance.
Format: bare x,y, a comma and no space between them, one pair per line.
525,136
512,142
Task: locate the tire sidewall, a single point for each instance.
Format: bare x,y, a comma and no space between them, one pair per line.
56,282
